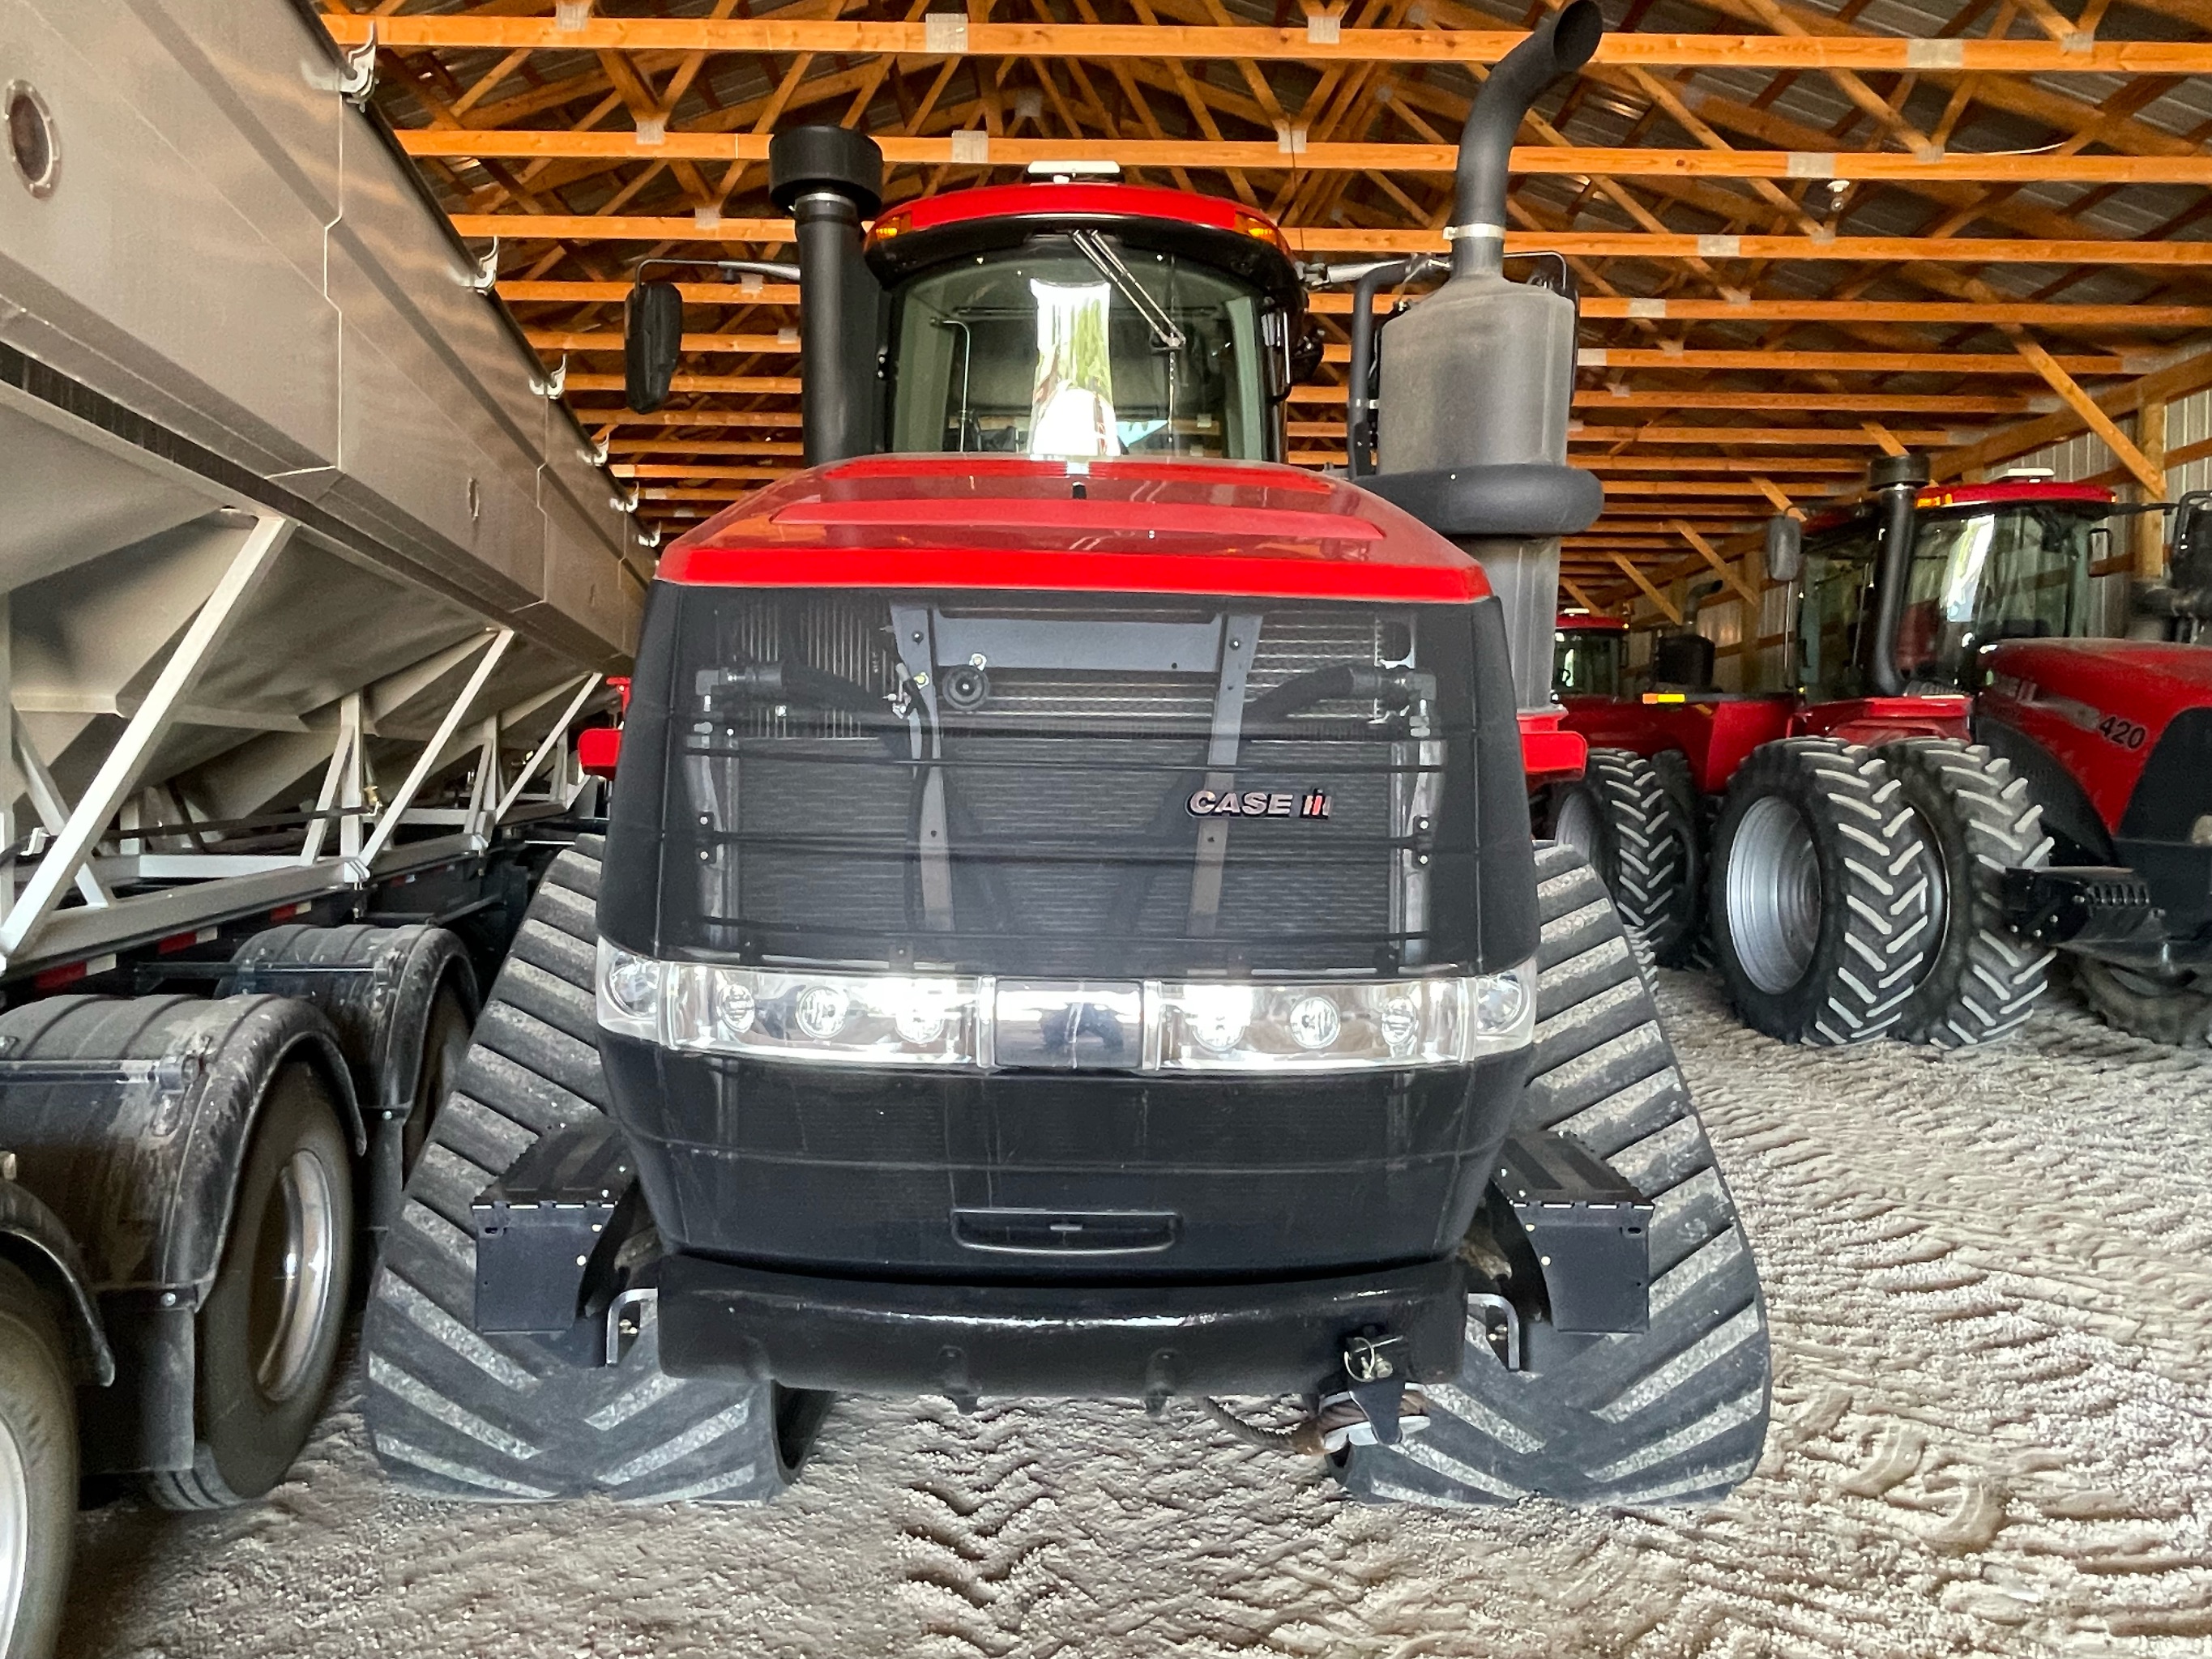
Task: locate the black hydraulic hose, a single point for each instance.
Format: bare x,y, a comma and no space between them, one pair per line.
1896,482
1562,45
1396,686
1360,408
794,681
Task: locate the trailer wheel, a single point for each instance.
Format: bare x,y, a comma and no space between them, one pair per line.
1820,898
1975,818
456,1413
267,1336
1622,816
38,1468
2170,1007
1675,1414
445,1045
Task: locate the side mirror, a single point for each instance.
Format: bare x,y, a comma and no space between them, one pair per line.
2100,544
653,335
1785,548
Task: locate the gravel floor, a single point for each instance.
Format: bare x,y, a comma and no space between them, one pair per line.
1991,1282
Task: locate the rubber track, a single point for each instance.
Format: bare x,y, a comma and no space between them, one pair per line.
2177,1011
1651,847
1677,1414
454,1414
1982,978
1858,807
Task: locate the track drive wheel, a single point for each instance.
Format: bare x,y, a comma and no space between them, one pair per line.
1676,1414
2162,1007
1975,818
455,1413
1625,819
38,1468
1820,893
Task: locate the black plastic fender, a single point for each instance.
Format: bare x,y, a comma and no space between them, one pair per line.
129,1118
377,985
34,1240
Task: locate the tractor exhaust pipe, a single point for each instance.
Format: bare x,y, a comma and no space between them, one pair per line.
830,179
1895,482
1555,51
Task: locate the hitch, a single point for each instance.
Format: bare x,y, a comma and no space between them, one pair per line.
2080,904
1377,1405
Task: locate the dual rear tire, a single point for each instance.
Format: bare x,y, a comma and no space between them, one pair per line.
38,1468
1633,818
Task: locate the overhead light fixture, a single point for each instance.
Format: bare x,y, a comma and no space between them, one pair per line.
1075,169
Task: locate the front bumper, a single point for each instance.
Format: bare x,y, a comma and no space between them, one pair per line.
852,1171
1117,1341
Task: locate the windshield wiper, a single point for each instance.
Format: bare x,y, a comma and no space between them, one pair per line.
1094,247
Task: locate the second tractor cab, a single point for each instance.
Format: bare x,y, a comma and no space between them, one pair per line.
1928,747
1589,657
1990,562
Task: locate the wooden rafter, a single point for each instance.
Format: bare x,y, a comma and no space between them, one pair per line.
1884,266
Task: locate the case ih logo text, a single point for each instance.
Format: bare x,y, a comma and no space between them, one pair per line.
1257,803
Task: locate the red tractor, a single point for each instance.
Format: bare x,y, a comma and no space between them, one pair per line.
1866,853
1067,924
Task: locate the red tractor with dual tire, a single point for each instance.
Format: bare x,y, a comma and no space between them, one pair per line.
1960,781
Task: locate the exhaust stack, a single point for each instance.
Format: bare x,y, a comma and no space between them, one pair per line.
1476,380
1557,49
1895,482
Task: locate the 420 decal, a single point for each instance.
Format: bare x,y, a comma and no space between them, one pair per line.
1257,804
2125,733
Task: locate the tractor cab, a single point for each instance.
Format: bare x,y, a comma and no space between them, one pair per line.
1084,321
1588,657
1989,562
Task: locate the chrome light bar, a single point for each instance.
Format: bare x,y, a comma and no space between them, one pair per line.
984,1023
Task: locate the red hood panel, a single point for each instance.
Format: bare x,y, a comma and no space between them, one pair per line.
1136,526
2146,681
2099,707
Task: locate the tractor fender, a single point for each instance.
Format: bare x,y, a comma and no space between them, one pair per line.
129,1117
34,1240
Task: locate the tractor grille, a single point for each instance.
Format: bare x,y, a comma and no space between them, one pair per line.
1032,816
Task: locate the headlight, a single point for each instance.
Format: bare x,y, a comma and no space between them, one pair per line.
629,992
1344,1025
882,1019
954,1020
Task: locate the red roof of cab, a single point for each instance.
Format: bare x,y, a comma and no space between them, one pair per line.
1138,527
2009,492
1075,201
1582,622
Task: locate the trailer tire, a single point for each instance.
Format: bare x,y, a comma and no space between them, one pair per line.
1623,818
445,1034
1975,818
1675,1414
2172,1008
267,1336
1819,895
38,1468
453,1413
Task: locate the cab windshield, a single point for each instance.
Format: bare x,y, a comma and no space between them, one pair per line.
2017,572
1586,663
1079,347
